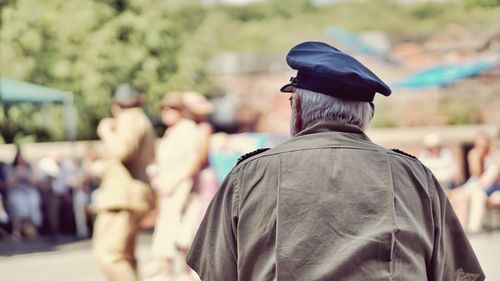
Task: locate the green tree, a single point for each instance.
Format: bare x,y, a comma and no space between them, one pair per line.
89,47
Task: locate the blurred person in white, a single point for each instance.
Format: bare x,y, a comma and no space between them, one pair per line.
181,159
439,160
23,199
487,194
469,200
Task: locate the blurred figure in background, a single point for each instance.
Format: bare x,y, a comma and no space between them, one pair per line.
77,199
469,200
477,156
492,174
51,189
180,179
439,160
4,217
90,171
23,199
124,194
58,180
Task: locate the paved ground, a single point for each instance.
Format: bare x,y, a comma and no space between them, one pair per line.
487,248
72,260
65,260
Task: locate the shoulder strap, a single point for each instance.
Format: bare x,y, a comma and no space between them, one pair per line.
404,153
251,154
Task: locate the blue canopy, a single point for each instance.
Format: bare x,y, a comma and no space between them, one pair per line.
443,75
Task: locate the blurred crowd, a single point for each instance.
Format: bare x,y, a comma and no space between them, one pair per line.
472,188
183,169
49,197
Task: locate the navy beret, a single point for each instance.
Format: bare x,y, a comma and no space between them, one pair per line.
324,69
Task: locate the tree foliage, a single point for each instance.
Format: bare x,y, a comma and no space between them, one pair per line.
88,47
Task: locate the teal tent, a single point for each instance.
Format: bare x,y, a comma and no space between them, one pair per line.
444,75
14,92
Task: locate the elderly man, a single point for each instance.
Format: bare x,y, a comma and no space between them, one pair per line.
329,204
124,195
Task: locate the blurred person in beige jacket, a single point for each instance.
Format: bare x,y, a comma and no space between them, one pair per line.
181,157
124,194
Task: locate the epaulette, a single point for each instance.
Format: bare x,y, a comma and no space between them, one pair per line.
404,153
250,154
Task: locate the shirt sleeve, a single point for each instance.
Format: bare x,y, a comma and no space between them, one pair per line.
213,254
453,258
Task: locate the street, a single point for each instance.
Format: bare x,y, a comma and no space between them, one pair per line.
74,261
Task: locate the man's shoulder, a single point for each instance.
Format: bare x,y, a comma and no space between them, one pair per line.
294,145
404,159
401,153
248,156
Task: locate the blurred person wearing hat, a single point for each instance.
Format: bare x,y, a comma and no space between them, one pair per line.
181,161
329,204
124,194
439,160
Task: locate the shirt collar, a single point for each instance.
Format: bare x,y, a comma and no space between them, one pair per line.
322,126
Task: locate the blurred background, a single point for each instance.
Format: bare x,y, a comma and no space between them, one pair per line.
61,61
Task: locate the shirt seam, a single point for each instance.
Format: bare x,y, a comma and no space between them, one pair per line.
433,211
236,190
392,266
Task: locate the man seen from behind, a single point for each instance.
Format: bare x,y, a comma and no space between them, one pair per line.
329,204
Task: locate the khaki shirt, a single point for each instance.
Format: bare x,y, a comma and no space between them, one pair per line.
331,205
178,156
125,184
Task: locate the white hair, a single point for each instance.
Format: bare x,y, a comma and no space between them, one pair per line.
315,106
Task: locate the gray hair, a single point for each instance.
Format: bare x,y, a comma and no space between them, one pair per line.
315,106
